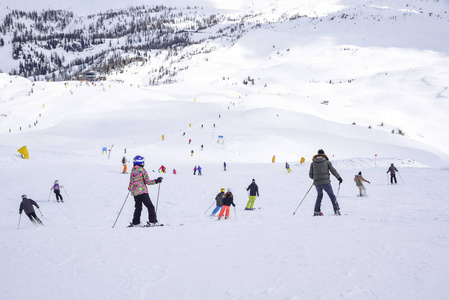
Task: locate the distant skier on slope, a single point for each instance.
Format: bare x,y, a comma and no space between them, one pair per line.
228,200
199,170
194,170
287,167
162,169
219,202
359,183
253,193
57,190
392,170
125,165
27,206
138,182
319,172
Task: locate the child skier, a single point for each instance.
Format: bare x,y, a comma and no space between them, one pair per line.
57,190
219,200
138,182
27,206
125,165
359,183
287,167
228,200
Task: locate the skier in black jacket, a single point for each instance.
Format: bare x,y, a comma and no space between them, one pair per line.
27,206
253,193
392,170
228,200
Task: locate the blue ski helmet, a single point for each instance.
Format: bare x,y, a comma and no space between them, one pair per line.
139,160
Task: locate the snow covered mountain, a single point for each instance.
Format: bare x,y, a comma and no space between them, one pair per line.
364,80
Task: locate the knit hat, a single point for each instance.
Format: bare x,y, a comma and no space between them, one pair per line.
360,173
321,151
254,180
229,190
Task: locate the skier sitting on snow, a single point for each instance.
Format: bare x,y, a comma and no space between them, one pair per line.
219,200
27,206
57,190
359,183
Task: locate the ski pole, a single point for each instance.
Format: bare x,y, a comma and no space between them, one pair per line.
20,216
157,201
121,209
49,195
303,199
209,207
40,211
235,212
338,191
65,191
400,177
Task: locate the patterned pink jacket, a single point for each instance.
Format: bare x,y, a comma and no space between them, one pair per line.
139,180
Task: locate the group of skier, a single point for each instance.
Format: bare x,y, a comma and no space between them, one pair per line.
26,205
225,200
320,170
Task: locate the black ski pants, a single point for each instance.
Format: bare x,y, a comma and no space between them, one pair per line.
58,195
145,200
393,177
34,218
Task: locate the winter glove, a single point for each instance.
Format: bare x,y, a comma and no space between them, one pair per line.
233,204
159,179
369,182
340,180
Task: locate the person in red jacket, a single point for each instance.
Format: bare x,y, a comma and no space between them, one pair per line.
162,169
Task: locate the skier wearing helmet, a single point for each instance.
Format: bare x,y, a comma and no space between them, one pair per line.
228,200
27,206
138,182
219,200
57,190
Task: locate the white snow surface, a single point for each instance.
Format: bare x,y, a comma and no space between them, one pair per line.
391,244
